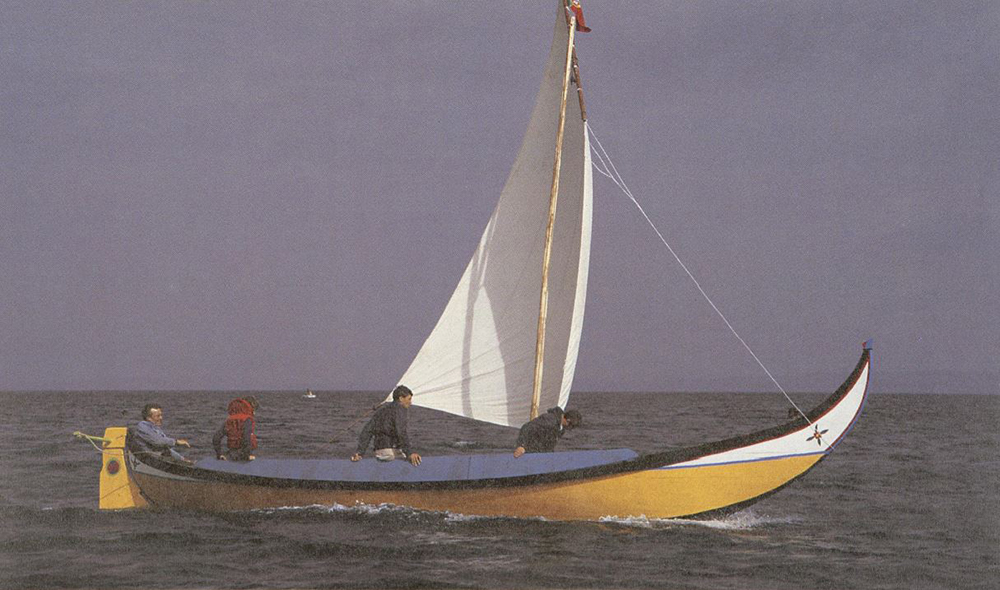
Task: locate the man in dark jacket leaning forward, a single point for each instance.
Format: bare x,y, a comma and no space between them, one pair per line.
388,428
541,434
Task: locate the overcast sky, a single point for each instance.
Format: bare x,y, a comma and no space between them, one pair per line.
238,195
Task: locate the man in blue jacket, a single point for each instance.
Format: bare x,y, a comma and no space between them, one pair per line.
541,434
388,428
150,437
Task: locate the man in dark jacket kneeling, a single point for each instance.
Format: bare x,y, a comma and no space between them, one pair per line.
541,434
388,427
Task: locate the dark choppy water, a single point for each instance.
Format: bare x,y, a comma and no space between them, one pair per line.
911,499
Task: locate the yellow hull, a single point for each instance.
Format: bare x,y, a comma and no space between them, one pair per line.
654,493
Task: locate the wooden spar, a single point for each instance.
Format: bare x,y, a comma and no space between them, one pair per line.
543,306
579,86
570,16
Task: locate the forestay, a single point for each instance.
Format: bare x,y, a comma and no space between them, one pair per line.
479,360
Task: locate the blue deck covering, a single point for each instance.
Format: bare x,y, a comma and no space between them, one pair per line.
445,468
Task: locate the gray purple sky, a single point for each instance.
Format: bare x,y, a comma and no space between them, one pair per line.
239,195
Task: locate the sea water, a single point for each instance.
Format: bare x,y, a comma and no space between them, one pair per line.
910,499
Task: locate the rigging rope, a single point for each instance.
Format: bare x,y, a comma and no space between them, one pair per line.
611,172
93,440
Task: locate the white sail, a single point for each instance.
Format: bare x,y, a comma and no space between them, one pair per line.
479,360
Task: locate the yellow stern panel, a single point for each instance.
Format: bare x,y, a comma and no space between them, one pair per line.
117,491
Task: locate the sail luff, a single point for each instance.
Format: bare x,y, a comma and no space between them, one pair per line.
478,360
553,203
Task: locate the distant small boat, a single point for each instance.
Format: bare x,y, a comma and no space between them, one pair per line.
309,394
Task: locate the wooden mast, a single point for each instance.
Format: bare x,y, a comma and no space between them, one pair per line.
553,200
579,86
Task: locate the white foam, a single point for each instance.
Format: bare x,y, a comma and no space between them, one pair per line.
331,508
740,521
457,517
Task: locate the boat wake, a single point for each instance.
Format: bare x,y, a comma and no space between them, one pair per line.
385,510
365,509
741,521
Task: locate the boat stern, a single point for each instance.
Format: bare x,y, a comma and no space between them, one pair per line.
118,491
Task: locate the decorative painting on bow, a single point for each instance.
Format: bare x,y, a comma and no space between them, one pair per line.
817,435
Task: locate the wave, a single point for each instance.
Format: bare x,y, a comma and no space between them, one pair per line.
740,521
368,509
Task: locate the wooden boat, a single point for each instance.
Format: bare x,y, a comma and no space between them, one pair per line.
704,480
505,346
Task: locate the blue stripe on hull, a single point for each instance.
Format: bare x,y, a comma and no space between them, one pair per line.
774,458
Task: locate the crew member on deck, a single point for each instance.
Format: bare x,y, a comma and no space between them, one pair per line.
150,438
388,428
541,434
239,430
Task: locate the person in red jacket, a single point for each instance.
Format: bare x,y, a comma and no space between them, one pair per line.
239,430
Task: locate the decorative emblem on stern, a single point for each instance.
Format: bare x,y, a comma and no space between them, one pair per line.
818,435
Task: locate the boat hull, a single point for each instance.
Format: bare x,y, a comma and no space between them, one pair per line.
654,493
703,480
